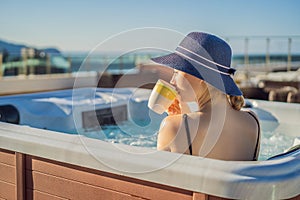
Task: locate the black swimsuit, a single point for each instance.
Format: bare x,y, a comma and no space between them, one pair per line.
189,135
258,136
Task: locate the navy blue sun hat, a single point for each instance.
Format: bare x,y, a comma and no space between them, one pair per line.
206,57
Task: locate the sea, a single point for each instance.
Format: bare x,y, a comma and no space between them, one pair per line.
117,63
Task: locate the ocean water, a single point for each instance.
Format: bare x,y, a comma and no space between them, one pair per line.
117,64
112,63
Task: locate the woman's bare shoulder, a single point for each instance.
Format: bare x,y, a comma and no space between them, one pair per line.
249,114
167,132
249,120
171,123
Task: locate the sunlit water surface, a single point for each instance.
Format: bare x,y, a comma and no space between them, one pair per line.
272,142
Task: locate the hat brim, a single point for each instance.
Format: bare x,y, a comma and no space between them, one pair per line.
223,82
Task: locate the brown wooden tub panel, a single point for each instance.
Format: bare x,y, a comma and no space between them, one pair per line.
7,174
61,180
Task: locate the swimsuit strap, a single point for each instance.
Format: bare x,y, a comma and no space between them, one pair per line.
258,136
188,133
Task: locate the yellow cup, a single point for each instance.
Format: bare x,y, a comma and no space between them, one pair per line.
162,96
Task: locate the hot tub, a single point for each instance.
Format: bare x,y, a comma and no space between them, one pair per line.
118,115
38,163
55,165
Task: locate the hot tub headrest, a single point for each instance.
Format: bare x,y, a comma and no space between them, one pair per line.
10,114
292,151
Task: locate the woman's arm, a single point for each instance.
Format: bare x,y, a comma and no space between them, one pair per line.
166,134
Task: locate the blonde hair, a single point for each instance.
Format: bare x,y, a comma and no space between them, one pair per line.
236,102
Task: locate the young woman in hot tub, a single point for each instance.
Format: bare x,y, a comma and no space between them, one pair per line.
218,128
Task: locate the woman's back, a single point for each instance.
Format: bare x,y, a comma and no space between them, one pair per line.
232,135
233,138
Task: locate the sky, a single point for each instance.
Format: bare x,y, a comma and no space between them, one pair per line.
82,25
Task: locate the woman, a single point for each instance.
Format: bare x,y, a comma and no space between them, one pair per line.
218,128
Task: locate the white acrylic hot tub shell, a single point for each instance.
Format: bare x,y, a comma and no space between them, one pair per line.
62,110
274,179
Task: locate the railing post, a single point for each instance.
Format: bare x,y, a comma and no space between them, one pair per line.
268,55
70,64
48,64
289,57
121,63
87,64
24,59
106,61
1,69
30,53
246,57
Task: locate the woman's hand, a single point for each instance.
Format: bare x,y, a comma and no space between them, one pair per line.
175,108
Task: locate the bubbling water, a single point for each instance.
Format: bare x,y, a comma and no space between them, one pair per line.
125,133
272,142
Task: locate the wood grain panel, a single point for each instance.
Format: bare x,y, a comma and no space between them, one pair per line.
74,190
33,194
7,173
7,157
199,196
20,176
216,198
108,181
7,190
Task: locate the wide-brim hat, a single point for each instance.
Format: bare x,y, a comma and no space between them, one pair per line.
206,57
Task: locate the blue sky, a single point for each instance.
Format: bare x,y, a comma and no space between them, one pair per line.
81,25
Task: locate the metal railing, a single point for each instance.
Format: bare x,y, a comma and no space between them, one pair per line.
262,53
285,48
